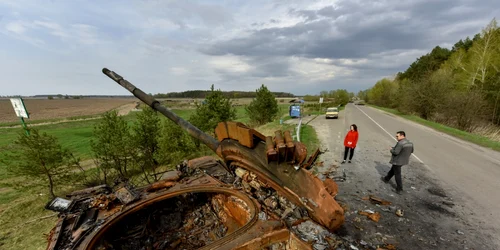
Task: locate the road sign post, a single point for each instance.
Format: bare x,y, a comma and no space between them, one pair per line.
320,102
21,111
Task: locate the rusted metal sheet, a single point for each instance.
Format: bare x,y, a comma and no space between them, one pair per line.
90,191
300,152
331,187
238,131
312,159
221,131
271,153
280,145
290,146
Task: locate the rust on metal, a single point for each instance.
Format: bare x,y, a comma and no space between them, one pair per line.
280,144
312,159
290,146
271,153
253,197
239,132
300,152
331,187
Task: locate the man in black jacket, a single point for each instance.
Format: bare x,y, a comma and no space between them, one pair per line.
400,156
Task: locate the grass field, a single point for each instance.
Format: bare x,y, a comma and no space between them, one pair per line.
49,110
23,219
470,137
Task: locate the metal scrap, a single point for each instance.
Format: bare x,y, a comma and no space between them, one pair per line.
374,216
377,200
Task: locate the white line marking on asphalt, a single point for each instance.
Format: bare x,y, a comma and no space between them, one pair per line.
416,157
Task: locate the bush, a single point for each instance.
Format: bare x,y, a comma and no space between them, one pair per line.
264,108
40,156
146,141
113,148
214,109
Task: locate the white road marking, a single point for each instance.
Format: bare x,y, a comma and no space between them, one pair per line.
416,157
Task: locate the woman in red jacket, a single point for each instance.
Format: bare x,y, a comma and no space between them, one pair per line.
351,138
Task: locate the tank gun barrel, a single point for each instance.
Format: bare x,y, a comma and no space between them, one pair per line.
208,140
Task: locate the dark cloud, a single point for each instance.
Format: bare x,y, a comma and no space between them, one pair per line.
319,39
375,39
356,29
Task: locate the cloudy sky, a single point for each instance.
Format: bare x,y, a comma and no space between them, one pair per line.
302,47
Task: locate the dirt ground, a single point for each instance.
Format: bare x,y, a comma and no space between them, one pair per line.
434,216
41,109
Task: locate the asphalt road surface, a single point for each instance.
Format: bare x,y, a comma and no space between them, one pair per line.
451,186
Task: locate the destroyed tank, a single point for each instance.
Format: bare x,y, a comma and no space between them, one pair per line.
260,194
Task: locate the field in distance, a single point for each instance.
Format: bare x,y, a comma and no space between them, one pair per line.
44,109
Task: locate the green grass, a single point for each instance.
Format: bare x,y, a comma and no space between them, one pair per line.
476,139
309,137
241,115
22,202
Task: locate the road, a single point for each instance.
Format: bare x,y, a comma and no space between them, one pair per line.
443,170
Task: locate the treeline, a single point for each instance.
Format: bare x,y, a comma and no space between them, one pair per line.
338,97
227,94
458,87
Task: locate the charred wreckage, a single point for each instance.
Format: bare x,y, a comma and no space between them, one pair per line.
261,195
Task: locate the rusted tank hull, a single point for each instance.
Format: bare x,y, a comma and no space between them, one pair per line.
248,220
260,195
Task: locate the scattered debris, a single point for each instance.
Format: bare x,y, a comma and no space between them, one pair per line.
374,216
376,200
399,212
460,232
387,247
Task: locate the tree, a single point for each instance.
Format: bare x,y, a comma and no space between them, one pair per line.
465,44
482,56
464,108
341,96
426,63
112,147
214,109
362,95
39,155
323,93
264,108
351,96
146,141
429,95
458,86
174,144
383,93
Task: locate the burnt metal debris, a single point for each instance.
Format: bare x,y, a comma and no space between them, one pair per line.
260,195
